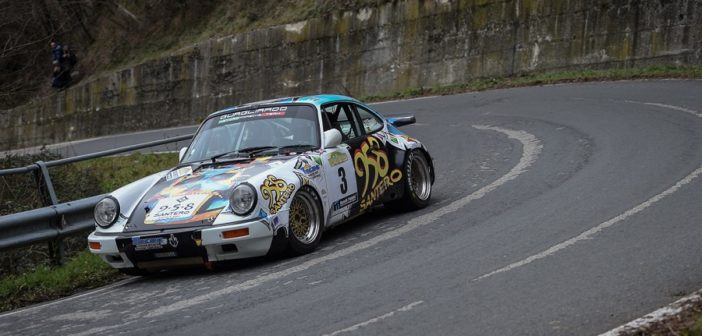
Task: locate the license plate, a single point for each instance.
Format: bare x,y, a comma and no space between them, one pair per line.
174,209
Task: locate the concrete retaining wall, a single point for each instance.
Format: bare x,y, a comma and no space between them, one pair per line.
404,44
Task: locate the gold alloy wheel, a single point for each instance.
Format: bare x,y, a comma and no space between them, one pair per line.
304,218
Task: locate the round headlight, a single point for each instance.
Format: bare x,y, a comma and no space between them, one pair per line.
243,199
106,212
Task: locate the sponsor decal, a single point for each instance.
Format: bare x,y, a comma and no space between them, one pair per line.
408,139
393,139
145,244
174,209
184,171
173,241
276,191
317,159
213,182
262,214
337,158
264,218
373,165
311,170
303,179
344,202
277,111
380,136
276,223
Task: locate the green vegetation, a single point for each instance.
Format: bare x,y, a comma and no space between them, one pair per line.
544,78
84,271
695,329
25,274
193,22
83,179
114,172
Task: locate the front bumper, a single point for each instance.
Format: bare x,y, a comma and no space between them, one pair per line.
178,247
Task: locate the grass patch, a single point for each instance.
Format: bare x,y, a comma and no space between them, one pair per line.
82,272
695,329
543,78
114,172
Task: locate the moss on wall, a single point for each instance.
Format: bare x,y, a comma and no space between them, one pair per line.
371,51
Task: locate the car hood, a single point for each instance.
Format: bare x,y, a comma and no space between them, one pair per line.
193,196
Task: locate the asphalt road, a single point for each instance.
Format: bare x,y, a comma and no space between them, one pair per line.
576,210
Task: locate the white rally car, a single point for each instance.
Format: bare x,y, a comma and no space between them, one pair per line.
263,177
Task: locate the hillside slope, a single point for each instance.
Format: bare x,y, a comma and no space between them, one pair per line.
106,34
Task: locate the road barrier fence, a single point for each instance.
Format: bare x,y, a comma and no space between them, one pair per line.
55,221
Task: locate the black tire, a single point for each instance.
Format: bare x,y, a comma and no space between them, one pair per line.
417,183
305,222
133,271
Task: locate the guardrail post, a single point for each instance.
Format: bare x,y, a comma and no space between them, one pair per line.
48,198
46,187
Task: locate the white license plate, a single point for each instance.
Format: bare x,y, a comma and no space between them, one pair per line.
174,209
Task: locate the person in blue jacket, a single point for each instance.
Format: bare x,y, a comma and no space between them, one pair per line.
56,53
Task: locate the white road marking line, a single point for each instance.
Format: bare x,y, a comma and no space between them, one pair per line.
92,292
376,319
591,232
658,315
672,107
531,149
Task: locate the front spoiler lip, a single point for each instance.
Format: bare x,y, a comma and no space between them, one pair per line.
257,243
149,232
175,229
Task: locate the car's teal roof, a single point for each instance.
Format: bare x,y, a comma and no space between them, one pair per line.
317,100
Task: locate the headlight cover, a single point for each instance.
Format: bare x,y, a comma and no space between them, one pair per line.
242,200
106,212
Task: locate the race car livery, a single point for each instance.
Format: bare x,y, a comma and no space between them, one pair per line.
263,177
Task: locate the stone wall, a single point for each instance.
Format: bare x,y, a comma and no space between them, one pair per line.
401,45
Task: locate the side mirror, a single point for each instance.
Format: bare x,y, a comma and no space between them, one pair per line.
402,121
332,138
182,153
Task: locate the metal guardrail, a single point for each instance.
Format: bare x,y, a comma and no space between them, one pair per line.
55,221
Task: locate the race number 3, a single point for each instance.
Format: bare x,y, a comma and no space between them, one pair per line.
344,185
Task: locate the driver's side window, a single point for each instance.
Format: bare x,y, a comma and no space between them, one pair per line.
340,116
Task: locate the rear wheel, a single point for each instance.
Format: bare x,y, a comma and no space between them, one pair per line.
305,223
417,183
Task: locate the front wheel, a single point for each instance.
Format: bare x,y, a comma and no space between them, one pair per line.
417,182
305,222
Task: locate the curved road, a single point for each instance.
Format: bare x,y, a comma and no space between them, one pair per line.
557,210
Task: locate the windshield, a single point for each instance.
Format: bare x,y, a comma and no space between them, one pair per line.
268,128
